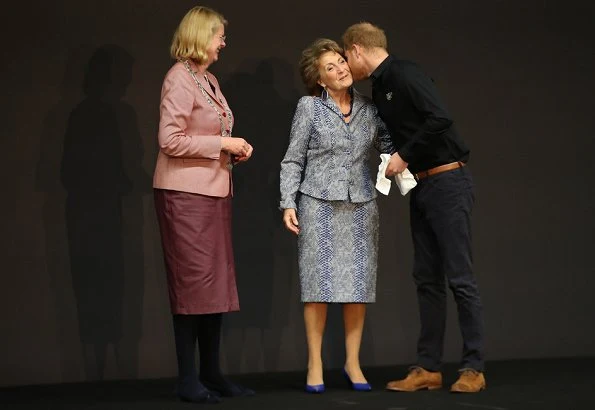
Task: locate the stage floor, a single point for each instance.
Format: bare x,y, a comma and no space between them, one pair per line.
560,384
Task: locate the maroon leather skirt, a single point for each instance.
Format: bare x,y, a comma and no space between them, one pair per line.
198,252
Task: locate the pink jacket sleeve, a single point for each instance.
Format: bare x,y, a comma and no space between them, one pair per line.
177,105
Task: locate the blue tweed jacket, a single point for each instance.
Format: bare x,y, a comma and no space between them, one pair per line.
327,158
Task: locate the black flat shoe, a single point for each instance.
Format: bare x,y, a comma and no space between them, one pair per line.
229,389
208,398
196,393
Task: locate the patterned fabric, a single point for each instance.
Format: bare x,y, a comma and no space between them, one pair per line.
337,250
337,213
335,152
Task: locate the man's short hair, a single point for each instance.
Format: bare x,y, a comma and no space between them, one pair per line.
366,35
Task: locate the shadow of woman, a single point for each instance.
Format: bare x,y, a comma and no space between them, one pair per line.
108,286
47,181
263,116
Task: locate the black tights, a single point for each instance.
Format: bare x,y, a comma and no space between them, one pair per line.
206,329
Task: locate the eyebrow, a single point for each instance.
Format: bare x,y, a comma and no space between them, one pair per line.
334,63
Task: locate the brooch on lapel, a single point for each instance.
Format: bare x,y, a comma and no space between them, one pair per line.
389,96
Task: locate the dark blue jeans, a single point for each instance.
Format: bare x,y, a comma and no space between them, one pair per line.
441,207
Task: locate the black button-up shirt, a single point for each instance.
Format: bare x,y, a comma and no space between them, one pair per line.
421,128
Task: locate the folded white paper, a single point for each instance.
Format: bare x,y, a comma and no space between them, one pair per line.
382,182
405,180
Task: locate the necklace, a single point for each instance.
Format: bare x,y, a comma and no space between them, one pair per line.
350,109
225,132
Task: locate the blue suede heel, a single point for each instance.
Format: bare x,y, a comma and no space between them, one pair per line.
357,386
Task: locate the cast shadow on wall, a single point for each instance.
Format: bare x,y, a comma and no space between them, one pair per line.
101,172
263,102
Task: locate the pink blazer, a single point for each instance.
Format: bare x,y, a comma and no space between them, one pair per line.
190,157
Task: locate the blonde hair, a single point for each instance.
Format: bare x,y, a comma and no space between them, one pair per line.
195,32
309,63
366,35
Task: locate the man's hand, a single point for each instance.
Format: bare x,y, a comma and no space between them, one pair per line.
396,165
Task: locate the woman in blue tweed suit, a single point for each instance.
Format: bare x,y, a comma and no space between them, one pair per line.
326,186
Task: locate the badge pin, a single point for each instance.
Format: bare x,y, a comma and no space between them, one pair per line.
389,96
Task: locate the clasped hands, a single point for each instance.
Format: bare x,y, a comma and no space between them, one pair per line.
237,147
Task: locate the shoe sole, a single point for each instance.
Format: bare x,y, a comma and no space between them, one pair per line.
468,391
432,387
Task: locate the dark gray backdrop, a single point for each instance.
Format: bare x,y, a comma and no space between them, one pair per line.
83,293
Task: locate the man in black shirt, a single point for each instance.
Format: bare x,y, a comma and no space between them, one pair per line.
440,205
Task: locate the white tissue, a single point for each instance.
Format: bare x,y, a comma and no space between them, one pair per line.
382,182
405,180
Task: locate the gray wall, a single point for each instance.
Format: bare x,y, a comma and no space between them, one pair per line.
83,293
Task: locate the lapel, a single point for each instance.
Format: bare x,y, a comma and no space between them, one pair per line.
330,103
358,102
215,96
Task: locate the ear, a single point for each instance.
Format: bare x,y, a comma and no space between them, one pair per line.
357,49
320,83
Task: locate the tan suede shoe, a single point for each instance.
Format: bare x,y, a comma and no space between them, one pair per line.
470,381
417,379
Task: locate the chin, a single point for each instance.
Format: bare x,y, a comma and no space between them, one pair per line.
356,76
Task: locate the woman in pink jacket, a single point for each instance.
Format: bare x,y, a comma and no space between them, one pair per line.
193,189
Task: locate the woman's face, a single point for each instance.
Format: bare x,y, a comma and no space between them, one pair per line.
334,72
356,66
216,44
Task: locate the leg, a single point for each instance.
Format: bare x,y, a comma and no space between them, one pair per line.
430,283
353,317
431,295
188,388
209,340
454,235
315,321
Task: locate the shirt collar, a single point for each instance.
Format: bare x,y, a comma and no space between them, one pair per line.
381,68
357,99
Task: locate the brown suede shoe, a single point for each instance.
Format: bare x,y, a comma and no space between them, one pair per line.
417,379
470,381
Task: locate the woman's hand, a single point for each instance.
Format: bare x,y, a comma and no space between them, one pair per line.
237,147
290,220
245,157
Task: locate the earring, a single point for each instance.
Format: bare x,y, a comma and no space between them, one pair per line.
324,93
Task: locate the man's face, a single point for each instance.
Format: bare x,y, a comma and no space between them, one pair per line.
356,63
